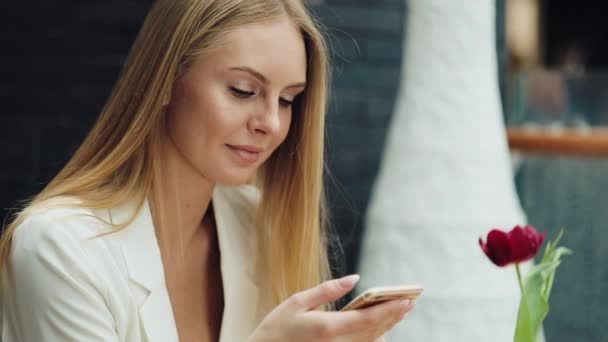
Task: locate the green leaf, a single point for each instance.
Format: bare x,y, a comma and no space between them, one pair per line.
554,259
537,285
533,307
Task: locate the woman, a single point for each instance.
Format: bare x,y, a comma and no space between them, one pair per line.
193,211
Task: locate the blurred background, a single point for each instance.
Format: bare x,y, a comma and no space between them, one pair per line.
60,59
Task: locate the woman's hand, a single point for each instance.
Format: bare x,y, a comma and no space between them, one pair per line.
296,319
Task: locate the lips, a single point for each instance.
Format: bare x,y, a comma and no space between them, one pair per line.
248,154
247,148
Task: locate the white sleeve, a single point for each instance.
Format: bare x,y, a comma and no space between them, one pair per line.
53,293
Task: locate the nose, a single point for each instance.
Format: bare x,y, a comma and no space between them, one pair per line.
267,120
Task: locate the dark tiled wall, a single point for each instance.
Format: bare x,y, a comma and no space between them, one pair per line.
569,193
59,61
367,39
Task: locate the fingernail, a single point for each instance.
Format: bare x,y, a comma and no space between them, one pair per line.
349,281
405,303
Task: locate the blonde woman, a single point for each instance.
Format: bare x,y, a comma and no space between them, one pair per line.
193,211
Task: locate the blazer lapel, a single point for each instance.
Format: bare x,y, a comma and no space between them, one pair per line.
233,210
145,268
234,215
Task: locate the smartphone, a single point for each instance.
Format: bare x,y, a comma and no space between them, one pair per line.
377,295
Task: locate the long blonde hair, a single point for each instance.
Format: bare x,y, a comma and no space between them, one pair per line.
117,160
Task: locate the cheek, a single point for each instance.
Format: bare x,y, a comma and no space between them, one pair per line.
201,116
284,131
183,123
188,125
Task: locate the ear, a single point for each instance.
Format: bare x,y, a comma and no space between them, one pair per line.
169,93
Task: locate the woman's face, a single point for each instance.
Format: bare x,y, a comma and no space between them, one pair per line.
232,107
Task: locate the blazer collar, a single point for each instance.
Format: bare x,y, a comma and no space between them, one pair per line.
233,209
145,270
233,214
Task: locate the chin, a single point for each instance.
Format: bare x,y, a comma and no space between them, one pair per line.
228,173
234,178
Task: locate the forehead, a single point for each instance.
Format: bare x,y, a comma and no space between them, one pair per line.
275,49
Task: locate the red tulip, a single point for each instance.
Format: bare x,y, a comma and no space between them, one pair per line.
518,245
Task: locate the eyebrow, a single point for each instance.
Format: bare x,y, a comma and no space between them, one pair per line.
261,77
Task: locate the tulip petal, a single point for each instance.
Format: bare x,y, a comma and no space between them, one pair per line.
525,243
497,247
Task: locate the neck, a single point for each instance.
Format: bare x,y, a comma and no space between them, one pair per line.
184,197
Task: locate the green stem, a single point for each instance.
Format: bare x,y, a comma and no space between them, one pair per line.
521,284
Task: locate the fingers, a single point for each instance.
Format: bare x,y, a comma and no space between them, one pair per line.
390,324
375,320
324,293
387,318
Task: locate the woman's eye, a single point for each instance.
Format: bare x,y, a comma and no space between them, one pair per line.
241,93
285,103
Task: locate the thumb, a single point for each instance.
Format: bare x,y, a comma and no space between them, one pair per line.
324,293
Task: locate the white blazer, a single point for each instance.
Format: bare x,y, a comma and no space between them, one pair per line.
68,286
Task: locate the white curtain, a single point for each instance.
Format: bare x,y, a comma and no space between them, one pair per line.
445,180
